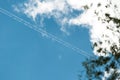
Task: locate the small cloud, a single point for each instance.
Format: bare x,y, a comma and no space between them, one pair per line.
60,57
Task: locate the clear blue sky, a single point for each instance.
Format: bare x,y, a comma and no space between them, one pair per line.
26,55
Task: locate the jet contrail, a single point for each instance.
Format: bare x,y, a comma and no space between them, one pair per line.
47,34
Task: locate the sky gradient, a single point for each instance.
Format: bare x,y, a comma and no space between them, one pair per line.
26,55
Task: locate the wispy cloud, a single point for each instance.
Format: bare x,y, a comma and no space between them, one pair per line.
96,13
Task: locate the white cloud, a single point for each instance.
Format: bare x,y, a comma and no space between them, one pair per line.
49,8
95,15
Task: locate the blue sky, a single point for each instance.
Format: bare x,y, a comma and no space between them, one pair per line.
26,55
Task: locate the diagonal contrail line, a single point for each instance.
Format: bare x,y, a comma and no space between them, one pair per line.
47,34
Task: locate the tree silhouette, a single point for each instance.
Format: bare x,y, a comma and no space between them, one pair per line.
104,67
